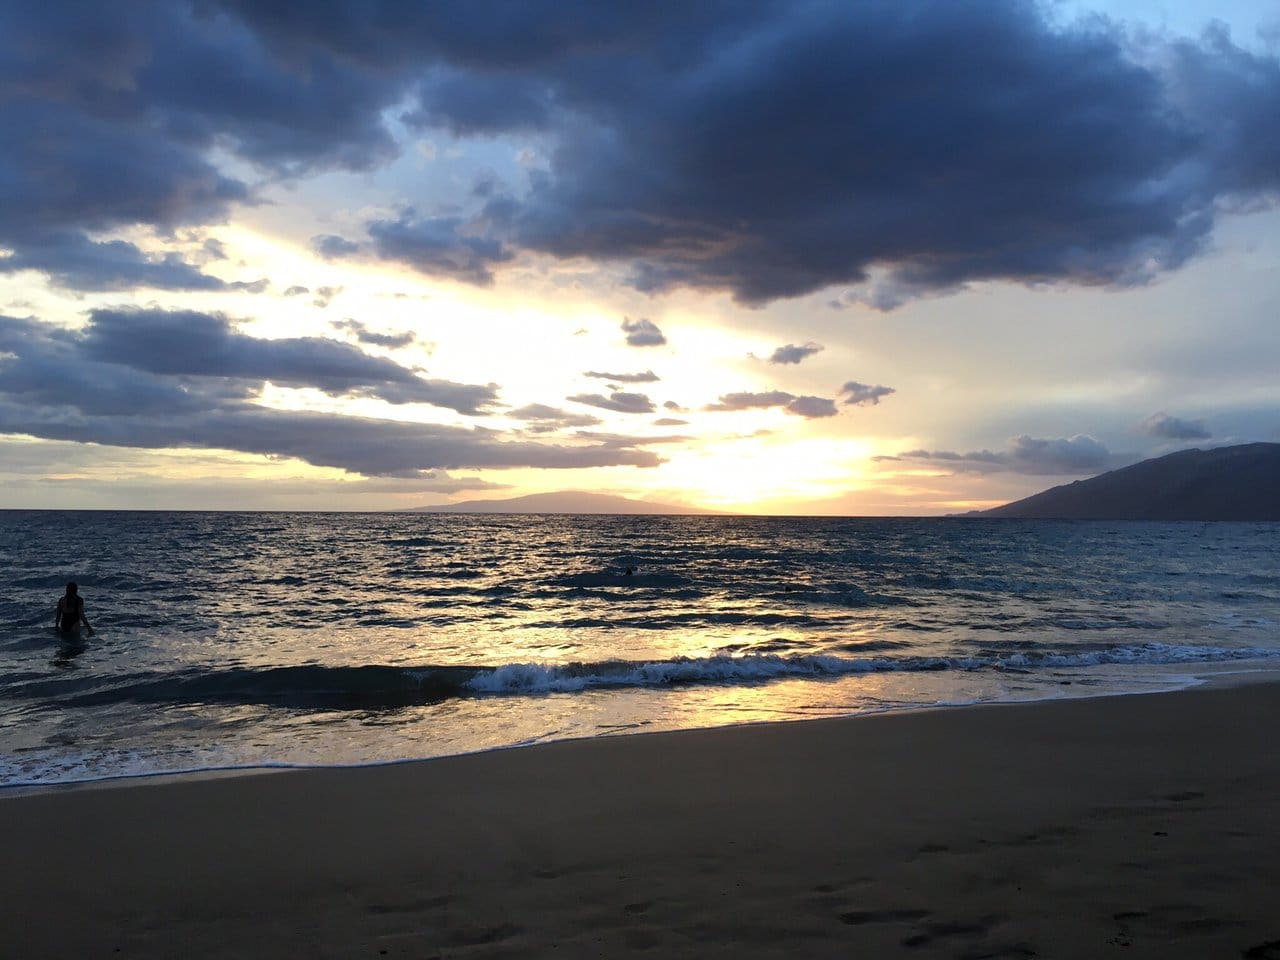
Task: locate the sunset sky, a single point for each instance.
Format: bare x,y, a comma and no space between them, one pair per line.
773,257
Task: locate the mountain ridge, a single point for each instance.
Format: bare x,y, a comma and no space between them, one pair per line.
1240,482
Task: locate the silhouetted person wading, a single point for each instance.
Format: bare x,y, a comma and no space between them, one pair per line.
71,611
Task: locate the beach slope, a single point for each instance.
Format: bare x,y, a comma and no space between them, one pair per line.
1141,826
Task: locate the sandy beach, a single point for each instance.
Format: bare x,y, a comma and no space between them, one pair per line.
1140,826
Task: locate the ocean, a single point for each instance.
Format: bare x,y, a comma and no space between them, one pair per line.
246,640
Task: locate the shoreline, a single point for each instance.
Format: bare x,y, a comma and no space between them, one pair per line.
1066,827
1196,676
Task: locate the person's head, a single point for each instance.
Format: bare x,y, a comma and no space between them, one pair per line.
72,589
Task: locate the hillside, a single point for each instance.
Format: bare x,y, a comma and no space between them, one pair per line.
564,501
1226,483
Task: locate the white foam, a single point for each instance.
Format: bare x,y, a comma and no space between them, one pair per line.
553,678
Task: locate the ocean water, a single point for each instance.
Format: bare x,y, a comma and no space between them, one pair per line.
232,640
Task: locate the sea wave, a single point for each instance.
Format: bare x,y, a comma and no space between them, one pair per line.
374,686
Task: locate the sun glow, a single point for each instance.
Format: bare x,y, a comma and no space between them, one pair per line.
738,475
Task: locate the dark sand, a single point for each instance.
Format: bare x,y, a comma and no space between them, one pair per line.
1141,826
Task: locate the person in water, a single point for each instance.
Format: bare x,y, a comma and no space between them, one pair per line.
71,611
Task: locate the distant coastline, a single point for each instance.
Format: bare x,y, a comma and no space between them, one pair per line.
566,502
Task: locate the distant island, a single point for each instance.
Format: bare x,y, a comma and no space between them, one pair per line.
1226,483
563,501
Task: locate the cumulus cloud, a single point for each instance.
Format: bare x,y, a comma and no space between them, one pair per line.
545,419
48,367
116,345
1065,456
324,295
862,395
372,337
296,291
202,344
1078,454
792,353
74,262
647,377
357,444
625,441
332,247
619,401
751,401
811,407
642,333
434,481
151,379
1175,428
669,422
808,407
436,246
212,249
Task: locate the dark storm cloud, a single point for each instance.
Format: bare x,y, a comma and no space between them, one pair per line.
108,114
808,407
647,377
862,395
467,104
63,169
619,401
749,151
134,381
792,353
516,35
751,170
372,337
765,149
1065,456
1175,428
1231,95
195,75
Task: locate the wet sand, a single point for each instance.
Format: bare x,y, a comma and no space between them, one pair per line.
1140,826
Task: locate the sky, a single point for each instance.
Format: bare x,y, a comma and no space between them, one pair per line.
886,257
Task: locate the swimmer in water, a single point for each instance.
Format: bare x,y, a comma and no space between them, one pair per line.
71,612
